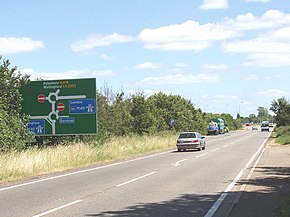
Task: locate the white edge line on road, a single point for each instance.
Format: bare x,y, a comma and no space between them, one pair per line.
225,146
243,187
56,209
133,180
219,201
80,171
201,155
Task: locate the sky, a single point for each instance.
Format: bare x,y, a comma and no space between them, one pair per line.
226,56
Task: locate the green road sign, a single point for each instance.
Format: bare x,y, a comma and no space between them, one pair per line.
61,107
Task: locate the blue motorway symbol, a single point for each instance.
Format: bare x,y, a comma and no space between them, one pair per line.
37,126
82,106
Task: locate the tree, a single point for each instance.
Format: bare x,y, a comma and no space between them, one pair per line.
230,122
10,82
263,113
13,130
166,107
121,115
252,118
143,120
281,108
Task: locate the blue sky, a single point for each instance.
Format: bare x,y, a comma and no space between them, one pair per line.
226,56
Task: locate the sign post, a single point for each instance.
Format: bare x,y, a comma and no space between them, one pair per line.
61,107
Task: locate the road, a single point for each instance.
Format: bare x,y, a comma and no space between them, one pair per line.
171,183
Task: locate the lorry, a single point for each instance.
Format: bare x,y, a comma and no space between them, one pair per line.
216,126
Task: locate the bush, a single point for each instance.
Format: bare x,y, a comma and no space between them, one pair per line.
14,133
283,135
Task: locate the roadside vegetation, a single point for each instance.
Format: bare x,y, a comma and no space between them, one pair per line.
281,108
32,162
284,208
282,136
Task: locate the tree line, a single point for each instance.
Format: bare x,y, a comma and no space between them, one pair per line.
117,114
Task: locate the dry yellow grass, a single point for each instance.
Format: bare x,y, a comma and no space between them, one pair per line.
34,162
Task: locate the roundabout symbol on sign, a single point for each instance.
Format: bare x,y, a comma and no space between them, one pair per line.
53,116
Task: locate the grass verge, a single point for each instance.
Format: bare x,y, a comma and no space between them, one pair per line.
284,206
282,136
34,162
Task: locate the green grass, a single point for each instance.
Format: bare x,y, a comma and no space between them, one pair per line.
282,136
284,206
34,162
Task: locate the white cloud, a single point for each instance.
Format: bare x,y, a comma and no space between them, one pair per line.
274,93
264,77
105,57
27,71
180,65
281,35
12,45
148,65
147,92
189,35
216,67
84,73
269,50
268,59
214,4
180,79
221,98
270,19
99,41
251,77
263,1
272,76
258,45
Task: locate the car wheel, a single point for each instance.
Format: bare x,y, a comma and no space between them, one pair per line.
179,149
200,147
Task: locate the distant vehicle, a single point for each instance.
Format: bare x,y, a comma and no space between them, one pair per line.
254,128
190,140
271,124
265,126
216,126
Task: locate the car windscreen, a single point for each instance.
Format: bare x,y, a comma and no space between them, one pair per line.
187,135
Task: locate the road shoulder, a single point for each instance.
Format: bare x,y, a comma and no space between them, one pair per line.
268,184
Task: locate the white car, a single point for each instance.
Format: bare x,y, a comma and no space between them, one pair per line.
265,126
190,140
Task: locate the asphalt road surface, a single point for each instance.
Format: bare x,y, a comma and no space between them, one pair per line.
171,183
